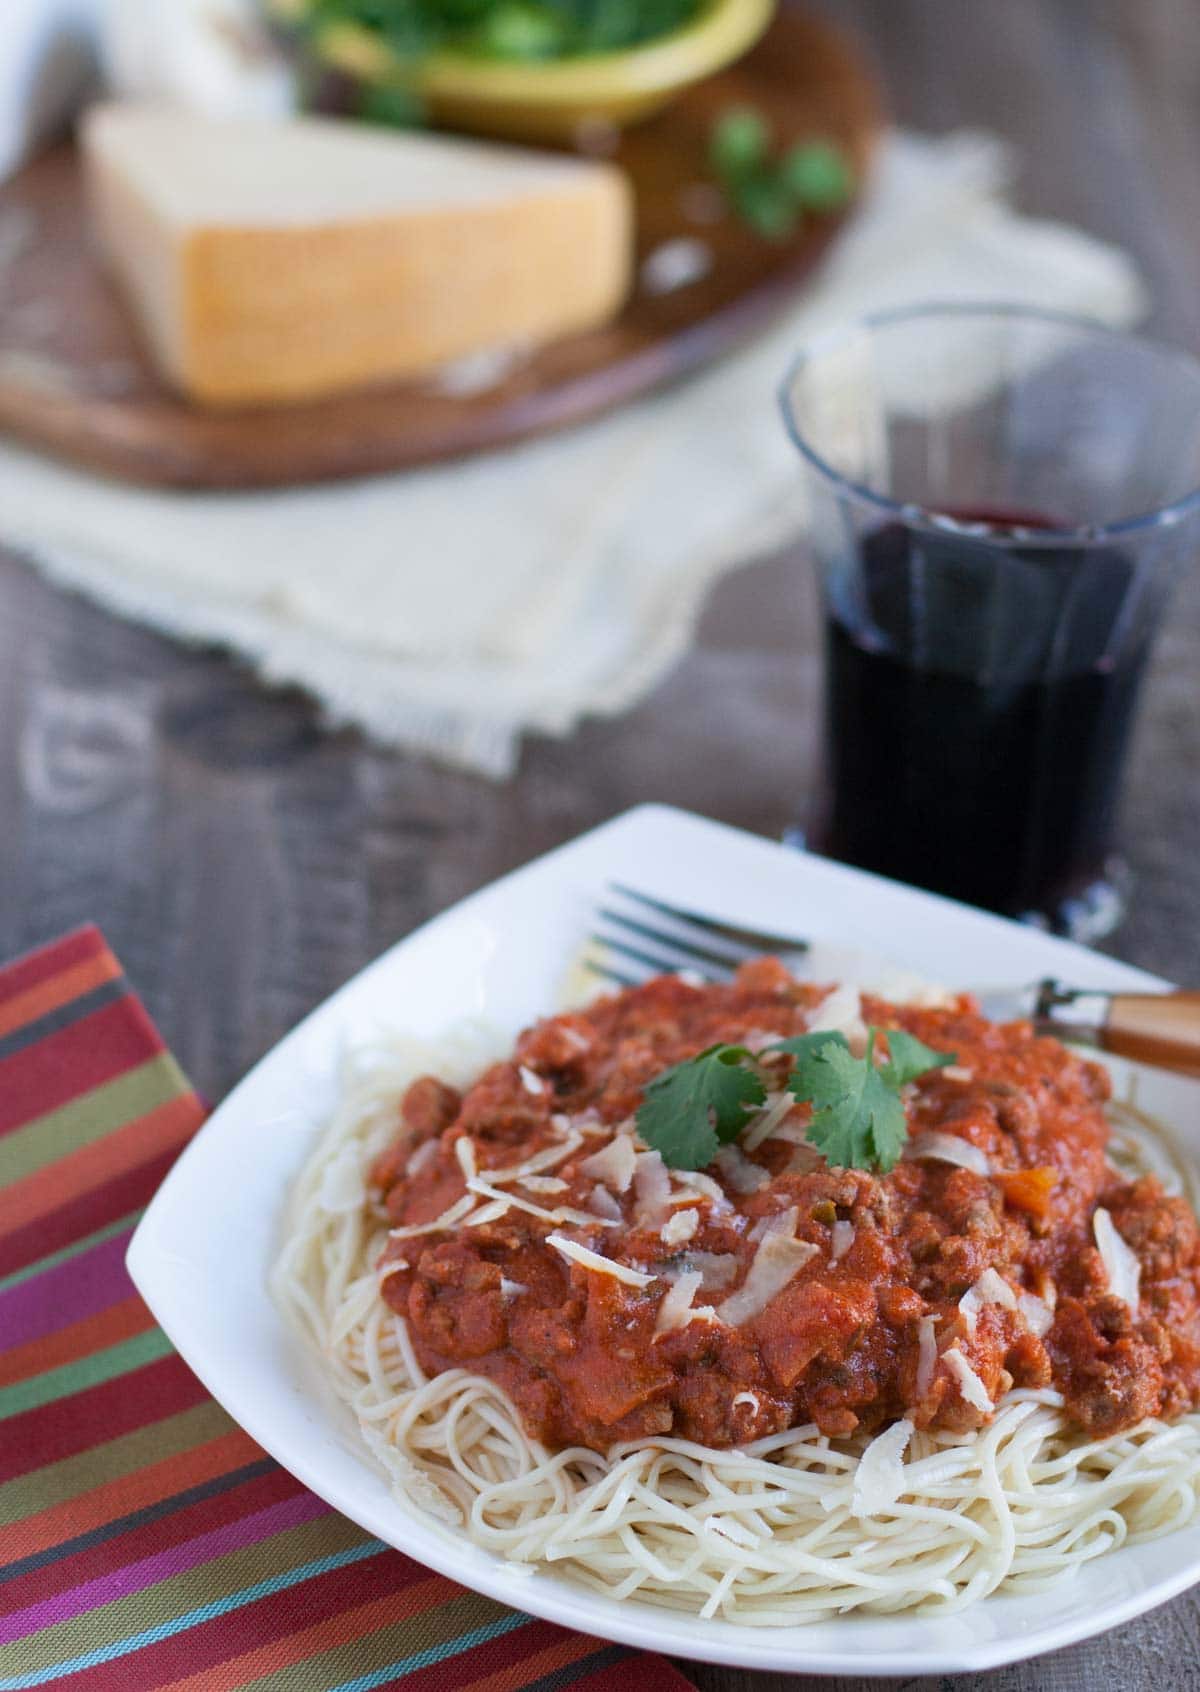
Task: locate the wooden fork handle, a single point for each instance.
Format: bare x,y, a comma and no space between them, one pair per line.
1157,1028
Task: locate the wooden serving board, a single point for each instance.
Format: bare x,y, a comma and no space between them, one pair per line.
75,381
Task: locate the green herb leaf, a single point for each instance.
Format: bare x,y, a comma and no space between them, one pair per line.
689,1111
763,203
910,1058
773,194
808,1045
818,176
858,1119
740,143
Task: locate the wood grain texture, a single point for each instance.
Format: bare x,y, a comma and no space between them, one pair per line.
75,379
243,863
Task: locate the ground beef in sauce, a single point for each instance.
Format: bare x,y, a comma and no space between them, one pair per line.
581,1353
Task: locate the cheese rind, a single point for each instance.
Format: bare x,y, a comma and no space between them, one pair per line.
275,262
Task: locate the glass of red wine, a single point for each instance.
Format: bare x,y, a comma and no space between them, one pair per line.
999,500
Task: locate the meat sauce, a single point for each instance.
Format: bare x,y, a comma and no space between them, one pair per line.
586,1357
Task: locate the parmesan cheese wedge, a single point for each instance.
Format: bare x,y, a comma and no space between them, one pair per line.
270,262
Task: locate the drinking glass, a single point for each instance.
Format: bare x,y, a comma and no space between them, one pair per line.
999,500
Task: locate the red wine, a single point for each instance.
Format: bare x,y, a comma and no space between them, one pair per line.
980,700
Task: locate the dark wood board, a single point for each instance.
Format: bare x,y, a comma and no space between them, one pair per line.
75,381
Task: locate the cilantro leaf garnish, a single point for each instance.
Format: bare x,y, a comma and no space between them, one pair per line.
858,1119
910,1058
691,1110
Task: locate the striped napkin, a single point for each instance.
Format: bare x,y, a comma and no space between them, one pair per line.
145,1540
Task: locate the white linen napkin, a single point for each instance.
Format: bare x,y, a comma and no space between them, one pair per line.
450,610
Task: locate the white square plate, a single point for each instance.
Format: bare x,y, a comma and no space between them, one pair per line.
201,1255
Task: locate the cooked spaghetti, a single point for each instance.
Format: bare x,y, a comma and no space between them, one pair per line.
772,1389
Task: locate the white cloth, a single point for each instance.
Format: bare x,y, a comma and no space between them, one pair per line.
449,610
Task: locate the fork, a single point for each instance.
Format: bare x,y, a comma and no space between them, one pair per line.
639,935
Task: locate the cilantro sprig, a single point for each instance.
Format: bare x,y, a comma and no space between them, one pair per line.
694,1108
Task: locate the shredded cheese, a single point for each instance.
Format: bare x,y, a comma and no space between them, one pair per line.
652,1184
564,1213
779,1257
604,1204
594,1260
777,1108
676,1311
447,1219
464,1151
842,1238
532,1083
743,1175
613,1164
949,1148
539,1162
487,1213
424,1154
543,1183
969,1384
679,1228
699,1182
1037,1313
841,1013
879,1478
1123,1269
926,1353
990,1288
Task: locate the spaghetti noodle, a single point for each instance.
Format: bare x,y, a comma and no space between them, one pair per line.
791,1527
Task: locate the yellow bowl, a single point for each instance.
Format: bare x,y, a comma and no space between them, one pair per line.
551,99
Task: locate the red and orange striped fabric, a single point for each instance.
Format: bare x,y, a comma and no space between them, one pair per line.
145,1540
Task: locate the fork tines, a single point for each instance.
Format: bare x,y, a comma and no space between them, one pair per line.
638,936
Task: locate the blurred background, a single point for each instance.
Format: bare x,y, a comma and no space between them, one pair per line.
281,679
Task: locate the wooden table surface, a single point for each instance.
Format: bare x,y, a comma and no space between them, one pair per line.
243,863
